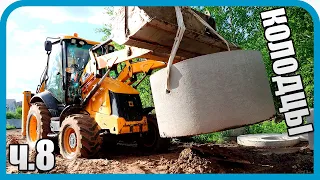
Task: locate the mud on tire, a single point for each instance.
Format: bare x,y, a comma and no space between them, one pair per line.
38,123
79,137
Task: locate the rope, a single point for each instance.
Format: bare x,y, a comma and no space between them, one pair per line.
179,36
177,40
209,27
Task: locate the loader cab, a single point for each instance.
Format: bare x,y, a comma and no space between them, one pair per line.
67,58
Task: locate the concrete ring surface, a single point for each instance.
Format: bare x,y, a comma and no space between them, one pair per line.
211,93
267,140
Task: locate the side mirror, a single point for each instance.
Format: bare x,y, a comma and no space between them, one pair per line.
48,45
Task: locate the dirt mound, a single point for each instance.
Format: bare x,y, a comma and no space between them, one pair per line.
190,161
11,139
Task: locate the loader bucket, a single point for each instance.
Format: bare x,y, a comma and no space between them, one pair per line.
155,28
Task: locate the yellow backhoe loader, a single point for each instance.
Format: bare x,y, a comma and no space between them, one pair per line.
77,101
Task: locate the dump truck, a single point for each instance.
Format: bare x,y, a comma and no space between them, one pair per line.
82,100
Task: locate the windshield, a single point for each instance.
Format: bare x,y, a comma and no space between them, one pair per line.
77,59
78,56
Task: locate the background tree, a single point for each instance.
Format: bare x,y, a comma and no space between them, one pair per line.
14,115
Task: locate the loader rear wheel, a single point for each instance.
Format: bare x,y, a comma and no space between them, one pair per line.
38,123
151,141
79,137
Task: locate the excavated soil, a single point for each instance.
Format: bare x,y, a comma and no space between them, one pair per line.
182,158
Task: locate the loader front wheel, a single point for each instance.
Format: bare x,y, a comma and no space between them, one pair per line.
38,123
151,141
79,137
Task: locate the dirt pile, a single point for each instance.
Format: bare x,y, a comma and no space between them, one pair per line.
11,139
188,161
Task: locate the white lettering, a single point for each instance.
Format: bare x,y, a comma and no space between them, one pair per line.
292,101
277,33
281,49
295,118
285,66
273,16
287,84
300,129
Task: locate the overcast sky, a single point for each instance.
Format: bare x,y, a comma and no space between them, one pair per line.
27,28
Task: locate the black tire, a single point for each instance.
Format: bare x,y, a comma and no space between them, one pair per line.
151,141
108,143
38,116
86,135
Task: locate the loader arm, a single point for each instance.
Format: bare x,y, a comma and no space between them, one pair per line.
131,69
99,63
129,53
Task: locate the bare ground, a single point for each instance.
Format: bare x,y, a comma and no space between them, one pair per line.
183,158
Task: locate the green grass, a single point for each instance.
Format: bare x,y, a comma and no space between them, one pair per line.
263,127
10,127
14,115
267,127
217,137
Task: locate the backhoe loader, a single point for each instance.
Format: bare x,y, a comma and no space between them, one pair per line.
79,103
82,101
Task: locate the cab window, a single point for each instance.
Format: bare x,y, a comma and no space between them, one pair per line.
54,82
